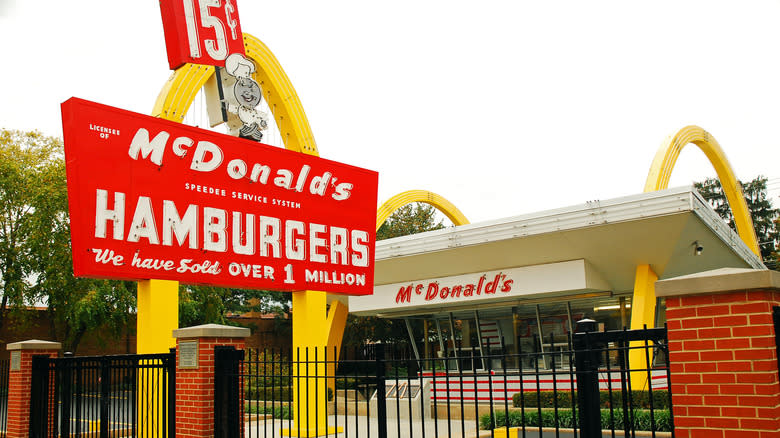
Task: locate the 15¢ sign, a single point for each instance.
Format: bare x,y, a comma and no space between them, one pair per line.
201,31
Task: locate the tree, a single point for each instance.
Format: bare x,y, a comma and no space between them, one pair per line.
211,305
409,219
35,257
761,211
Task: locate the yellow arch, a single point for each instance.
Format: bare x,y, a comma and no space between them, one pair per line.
644,298
666,157
179,91
403,198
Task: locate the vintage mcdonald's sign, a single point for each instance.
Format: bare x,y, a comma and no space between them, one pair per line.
150,198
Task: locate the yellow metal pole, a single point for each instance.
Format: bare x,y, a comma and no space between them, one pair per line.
310,336
158,315
642,313
157,318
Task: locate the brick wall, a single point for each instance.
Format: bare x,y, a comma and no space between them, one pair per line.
723,358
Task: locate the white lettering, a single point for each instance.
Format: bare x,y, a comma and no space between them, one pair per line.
270,238
359,245
182,227
236,168
316,242
243,240
214,229
154,148
179,142
143,222
295,249
338,245
103,214
203,162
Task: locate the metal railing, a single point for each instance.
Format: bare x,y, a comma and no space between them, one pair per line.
103,396
586,388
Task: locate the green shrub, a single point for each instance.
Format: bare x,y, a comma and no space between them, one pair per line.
277,412
277,393
267,369
564,418
545,399
567,399
639,399
641,419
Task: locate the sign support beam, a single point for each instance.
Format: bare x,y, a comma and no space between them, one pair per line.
158,315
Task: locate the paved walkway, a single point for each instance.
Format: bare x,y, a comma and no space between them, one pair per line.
359,427
366,429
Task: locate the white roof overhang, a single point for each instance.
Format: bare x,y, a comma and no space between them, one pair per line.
612,237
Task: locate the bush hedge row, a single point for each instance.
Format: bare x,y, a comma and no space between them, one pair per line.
277,412
546,399
276,393
565,419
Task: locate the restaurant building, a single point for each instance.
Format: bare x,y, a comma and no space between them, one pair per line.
519,284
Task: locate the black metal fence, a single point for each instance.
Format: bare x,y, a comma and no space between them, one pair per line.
5,367
106,396
586,388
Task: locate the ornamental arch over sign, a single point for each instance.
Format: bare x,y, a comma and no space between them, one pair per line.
180,90
666,157
439,202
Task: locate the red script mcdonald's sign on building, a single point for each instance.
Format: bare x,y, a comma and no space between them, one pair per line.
150,198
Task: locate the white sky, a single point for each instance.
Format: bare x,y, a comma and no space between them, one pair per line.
503,107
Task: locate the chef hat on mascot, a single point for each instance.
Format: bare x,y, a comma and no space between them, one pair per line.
237,65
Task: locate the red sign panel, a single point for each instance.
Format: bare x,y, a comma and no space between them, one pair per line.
201,31
150,198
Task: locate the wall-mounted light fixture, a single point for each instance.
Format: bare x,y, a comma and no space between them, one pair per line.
697,248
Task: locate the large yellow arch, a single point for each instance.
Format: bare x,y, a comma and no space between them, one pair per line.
403,198
666,157
644,299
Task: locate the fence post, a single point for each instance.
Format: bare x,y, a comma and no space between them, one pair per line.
39,397
105,394
195,380
586,358
227,398
381,400
170,365
66,379
20,386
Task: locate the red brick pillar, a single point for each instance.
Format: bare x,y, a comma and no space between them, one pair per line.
195,375
19,383
723,353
